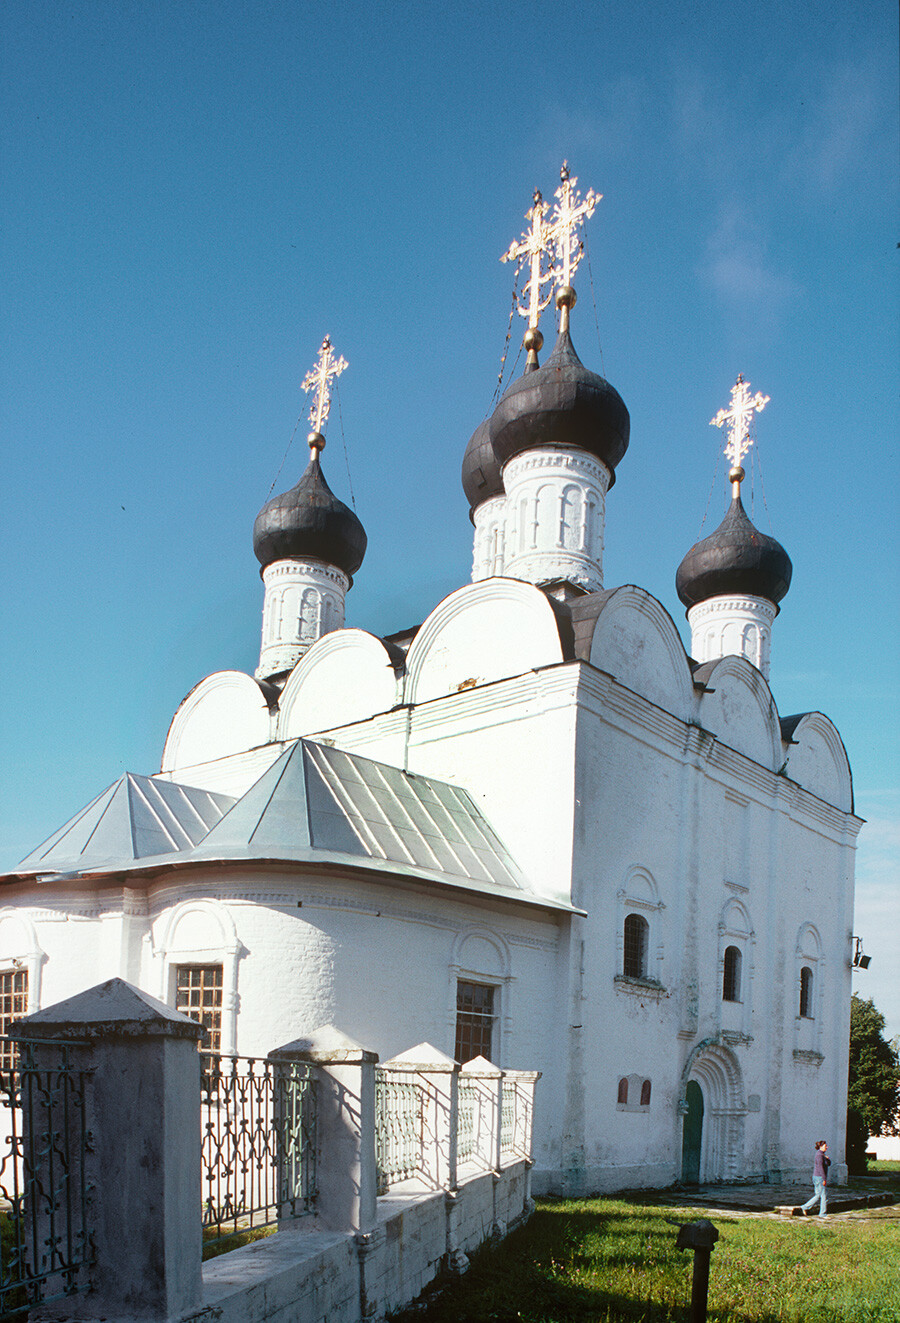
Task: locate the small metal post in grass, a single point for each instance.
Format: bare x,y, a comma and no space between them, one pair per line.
700,1237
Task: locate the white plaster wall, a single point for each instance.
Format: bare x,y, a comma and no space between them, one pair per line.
347,676
225,714
381,961
484,632
737,707
817,760
713,831
636,641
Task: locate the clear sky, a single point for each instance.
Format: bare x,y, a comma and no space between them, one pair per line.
195,192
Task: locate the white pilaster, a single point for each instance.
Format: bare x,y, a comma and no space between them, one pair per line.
304,600
555,513
490,530
733,626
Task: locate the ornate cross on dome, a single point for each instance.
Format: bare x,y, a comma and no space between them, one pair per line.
568,215
319,379
738,418
534,244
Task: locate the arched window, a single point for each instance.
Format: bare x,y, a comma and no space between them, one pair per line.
645,1093
731,979
635,961
806,993
622,1099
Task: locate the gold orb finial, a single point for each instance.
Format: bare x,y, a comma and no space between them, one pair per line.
316,442
533,339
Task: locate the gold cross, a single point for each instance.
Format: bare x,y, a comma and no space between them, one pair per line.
568,214
318,379
738,418
534,244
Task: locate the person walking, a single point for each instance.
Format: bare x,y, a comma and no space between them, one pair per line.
821,1163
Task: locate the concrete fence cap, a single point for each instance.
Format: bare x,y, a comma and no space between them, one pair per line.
328,1045
423,1057
111,1009
481,1068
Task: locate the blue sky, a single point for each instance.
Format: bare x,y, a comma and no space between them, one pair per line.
194,193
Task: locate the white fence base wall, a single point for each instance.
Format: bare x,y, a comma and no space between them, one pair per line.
305,1275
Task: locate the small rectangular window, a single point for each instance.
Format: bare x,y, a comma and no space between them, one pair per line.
198,993
474,1021
806,1001
13,1005
635,946
731,976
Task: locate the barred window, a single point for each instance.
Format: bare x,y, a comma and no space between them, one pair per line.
622,1097
806,985
645,1093
474,1021
13,1005
635,961
198,993
731,978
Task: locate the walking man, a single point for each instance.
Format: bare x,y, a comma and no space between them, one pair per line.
821,1163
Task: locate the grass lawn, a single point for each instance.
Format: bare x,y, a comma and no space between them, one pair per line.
604,1260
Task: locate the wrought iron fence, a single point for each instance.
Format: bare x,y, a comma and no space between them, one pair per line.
258,1142
467,1128
46,1244
509,1097
399,1105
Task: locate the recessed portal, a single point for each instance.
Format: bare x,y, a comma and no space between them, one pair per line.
692,1135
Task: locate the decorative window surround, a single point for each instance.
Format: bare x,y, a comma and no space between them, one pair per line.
640,895
809,1028
640,987
735,1015
630,1089
480,955
20,949
181,944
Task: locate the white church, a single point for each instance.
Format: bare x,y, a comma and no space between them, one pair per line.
535,828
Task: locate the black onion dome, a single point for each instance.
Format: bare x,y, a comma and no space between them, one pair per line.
736,558
309,521
480,471
561,403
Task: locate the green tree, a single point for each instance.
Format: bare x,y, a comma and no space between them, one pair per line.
874,1070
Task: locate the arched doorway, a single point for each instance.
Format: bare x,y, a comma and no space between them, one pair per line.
692,1134
714,1111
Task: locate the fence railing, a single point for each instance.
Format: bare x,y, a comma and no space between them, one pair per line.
398,1126
46,1246
241,1141
258,1127
467,1131
417,1106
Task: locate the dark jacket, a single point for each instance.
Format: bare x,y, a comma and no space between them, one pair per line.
821,1163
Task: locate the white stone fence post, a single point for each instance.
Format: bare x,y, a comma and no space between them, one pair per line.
142,1163
345,1126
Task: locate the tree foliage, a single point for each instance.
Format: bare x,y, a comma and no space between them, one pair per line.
874,1092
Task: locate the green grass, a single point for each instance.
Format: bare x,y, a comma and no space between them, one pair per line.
213,1248
606,1260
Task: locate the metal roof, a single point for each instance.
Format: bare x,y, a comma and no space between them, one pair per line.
135,817
321,798
315,807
